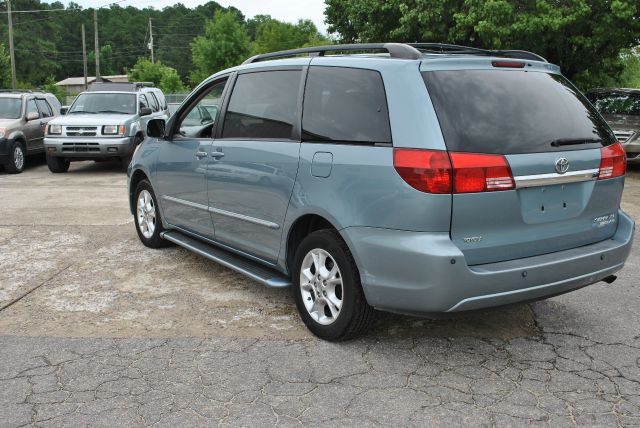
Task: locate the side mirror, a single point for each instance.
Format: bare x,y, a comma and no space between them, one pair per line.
64,110
32,115
156,128
145,111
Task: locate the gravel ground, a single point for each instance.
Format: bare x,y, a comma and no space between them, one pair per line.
96,329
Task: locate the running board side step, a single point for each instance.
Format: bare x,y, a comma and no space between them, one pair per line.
254,270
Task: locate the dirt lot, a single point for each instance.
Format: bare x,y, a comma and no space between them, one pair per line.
75,281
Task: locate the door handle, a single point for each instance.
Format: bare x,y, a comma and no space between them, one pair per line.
217,154
201,155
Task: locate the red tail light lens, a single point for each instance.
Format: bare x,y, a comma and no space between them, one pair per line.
434,171
474,172
613,162
426,170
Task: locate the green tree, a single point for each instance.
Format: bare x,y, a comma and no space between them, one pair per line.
272,35
630,77
225,43
584,37
166,78
107,63
5,68
51,87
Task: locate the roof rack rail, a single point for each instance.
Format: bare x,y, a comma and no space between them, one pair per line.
118,86
395,50
458,49
19,91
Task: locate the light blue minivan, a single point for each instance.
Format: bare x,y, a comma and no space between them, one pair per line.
413,178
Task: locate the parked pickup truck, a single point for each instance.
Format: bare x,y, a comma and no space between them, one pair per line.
107,122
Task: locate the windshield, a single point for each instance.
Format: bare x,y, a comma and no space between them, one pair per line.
511,112
616,102
10,108
104,102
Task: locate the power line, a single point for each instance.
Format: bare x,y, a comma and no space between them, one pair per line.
40,11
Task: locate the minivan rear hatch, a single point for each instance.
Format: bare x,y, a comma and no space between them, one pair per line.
553,141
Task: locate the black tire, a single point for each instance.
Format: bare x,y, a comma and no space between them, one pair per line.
11,166
153,241
57,165
355,315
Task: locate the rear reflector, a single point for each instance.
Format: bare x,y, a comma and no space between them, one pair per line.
435,171
508,64
613,162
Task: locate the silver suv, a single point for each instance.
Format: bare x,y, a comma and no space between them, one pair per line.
433,179
23,118
107,122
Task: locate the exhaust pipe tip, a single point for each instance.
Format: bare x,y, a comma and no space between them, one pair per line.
610,279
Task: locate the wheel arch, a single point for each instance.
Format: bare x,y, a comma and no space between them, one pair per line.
136,177
301,228
18,136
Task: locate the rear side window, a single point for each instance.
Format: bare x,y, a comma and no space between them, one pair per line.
511,112
263,105
345,105
161,100
153,102
45,109
143,101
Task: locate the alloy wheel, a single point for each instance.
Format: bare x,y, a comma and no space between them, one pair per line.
146,211
321,286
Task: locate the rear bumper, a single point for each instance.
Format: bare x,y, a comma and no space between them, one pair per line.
88,147
423,273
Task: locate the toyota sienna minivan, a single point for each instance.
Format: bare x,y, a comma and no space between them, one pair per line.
421,179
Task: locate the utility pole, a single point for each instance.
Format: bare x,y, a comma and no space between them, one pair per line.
97,47
151,39
11,53
84,58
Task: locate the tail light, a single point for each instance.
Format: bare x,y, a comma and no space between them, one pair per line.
473,172
613,162
426,170
435,171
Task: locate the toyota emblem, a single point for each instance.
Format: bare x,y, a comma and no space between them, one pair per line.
562,165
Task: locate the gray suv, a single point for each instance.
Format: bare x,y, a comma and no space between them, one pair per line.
107,122
23,118
421,179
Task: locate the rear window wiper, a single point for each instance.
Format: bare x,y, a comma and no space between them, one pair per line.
574,141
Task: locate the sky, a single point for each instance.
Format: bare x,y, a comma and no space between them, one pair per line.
284,10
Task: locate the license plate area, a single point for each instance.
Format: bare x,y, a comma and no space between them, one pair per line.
554,203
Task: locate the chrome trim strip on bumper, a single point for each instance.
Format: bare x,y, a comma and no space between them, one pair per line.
523,181
225,213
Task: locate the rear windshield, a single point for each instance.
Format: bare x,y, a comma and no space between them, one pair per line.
509,112
10,108
616,102
104,102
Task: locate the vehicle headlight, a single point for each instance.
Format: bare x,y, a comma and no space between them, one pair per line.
54,129
113,130
2,132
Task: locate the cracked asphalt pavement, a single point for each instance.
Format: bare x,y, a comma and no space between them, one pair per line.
96,329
